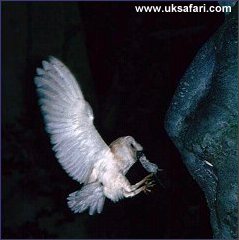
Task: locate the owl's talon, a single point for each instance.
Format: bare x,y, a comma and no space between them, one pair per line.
149,178
148,186
147,190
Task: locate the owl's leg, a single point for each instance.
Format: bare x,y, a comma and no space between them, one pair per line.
132,191
144,180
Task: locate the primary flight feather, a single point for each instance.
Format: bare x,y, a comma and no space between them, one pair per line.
78,146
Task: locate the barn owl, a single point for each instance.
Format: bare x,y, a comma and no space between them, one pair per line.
78,146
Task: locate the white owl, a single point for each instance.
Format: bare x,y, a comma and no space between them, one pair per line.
78,146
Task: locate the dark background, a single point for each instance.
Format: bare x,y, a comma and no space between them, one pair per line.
128,65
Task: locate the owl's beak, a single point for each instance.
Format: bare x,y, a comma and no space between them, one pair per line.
139,154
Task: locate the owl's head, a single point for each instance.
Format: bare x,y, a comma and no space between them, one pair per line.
132,144
126,146
125,151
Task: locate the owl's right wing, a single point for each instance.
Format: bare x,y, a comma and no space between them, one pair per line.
69,120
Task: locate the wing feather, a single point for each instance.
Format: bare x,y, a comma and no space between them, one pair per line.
69,120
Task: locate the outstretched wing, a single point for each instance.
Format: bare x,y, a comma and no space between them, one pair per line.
69,120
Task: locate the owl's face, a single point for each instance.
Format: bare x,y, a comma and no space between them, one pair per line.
125,150
132,146
127,146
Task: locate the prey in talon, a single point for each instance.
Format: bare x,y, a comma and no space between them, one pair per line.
78,146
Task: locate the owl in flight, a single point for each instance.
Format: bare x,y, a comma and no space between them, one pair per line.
78,146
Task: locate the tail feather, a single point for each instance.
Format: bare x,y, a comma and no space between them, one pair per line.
90,196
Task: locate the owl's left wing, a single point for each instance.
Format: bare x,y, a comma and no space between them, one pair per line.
69,120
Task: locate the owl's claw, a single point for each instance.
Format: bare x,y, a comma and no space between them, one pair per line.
149,176
151,184
148,185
